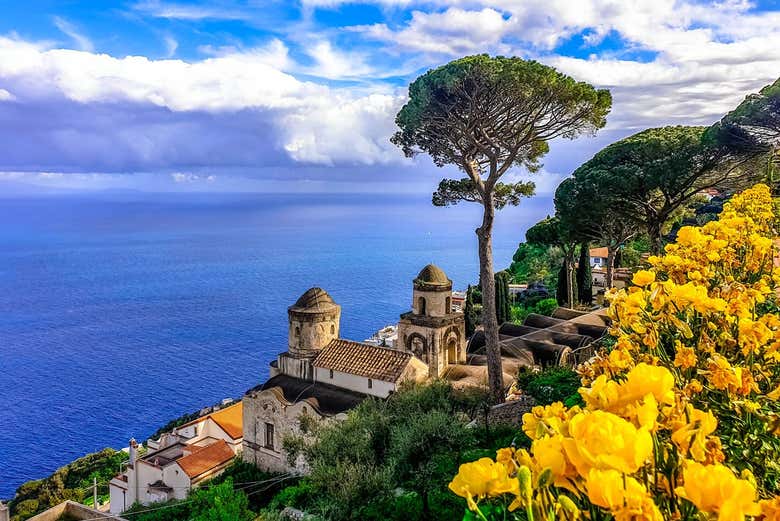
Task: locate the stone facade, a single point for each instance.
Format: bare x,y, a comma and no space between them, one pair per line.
432,331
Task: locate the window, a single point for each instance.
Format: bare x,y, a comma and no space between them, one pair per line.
297,331
331,374
448,305
421,306
269,436
370,383
332,329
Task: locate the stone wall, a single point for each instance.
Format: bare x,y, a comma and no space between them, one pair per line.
511,412
75,510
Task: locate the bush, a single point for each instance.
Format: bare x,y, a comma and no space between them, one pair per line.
553,384
541,307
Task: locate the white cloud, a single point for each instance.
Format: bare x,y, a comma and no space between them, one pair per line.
171,45
82,42
311,122
6,96
454,31
176,11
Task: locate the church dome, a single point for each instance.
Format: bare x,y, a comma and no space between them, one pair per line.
314,300
432,275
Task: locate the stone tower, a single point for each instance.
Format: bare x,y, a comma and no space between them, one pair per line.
314,322
431,331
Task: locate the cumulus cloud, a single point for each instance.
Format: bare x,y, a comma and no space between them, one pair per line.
138,113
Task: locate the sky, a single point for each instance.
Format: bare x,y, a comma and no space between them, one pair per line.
301,95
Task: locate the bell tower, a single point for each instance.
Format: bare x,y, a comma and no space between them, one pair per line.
431,331
313,323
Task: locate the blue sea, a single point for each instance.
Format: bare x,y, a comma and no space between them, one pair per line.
119,312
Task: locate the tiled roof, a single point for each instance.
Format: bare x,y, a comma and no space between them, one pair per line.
230,419
379,363
206,458
327,399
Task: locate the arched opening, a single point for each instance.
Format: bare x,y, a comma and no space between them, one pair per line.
332,329
452,351
448,305
421,306
297,331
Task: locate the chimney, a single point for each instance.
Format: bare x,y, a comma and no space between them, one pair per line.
133,453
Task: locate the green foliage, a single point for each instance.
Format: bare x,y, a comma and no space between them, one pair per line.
553,384
503,298
535,263
173,510
584,276
409,442
537,104
631,254
646,177
73,481
241,472
541,307
220,503
296,496
453,191
470,312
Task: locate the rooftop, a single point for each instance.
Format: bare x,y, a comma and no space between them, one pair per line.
433,275
230,419
365,360
206,458
314,300
328,399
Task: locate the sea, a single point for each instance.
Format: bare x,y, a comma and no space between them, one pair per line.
122,311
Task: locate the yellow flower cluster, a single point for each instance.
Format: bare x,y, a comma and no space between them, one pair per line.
696,353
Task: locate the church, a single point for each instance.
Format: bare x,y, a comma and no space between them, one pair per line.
321,376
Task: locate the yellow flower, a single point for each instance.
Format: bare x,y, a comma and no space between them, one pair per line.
643,278
548,453
648,379
602,440
715,489
481,478
770,509
692,436
685,357
622,495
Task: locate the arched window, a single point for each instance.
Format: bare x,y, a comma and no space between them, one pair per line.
332,329
448,305
421,306
297,331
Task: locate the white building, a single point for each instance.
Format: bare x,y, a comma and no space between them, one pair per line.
322,376
179,460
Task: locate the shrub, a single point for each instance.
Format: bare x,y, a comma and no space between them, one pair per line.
553,384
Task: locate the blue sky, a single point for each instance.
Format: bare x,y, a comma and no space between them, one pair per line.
274,95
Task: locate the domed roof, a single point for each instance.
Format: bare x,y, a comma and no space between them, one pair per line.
315,299
432,275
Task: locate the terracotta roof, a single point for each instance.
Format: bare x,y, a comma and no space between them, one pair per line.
206,458
599,252
328,399
379,363
230,419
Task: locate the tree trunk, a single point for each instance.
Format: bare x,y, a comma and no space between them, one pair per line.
610,267
488,283
654,231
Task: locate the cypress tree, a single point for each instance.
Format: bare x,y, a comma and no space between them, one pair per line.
503,303
561,289
469,315
584,276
